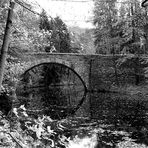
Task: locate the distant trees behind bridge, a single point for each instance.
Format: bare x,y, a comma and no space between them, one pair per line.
121,27
58,38
39,32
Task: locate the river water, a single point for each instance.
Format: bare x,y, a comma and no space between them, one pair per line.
105,118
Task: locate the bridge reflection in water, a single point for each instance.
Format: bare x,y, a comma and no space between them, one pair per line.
51,89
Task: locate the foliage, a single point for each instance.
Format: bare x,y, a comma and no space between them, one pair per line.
12,75
3,16
124,122
82,40
59,38
20,129
24,32
133,66
34,33
25,37
119,29
43,131
75,41
122,30
105,20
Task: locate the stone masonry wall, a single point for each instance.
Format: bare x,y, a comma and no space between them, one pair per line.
97,71
79,63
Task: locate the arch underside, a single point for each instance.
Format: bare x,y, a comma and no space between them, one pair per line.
53,86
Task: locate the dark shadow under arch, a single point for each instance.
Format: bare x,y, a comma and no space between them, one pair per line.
57,64
48,64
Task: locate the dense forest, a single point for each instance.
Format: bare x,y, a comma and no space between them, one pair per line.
117,115
121,28
38,32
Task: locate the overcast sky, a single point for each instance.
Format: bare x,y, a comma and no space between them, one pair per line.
72,13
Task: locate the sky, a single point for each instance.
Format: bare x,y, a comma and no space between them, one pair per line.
72,13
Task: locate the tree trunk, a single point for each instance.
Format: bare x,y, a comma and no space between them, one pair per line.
5,44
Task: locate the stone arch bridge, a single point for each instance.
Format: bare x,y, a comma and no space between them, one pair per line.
91,68
96,71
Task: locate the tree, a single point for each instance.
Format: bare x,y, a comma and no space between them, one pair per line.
86,39
105,20
133,34
3,17
25,37
25,31
82,40
122,31
5,44
107,32
58,35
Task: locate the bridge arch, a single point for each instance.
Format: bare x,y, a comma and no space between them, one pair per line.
77,62
62,64
35,62
59,82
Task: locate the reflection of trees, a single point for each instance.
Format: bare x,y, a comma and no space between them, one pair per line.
53,86
52,75
54,97
33,77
